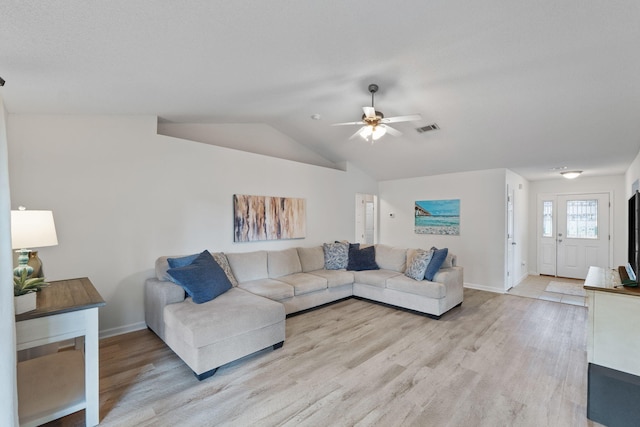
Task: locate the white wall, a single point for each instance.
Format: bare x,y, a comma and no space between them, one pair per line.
122,196
480,247
632,174
615,184
8,390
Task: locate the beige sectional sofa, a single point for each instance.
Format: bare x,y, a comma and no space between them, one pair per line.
272,284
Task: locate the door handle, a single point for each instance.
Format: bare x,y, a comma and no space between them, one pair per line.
513,243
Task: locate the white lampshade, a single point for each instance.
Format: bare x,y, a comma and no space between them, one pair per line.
375,132
365,132
32,229
378,132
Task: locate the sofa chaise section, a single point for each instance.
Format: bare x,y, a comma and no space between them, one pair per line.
209,335
233,325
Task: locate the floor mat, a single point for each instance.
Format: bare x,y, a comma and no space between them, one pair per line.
566,288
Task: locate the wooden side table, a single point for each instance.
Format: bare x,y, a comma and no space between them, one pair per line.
55,385
613,348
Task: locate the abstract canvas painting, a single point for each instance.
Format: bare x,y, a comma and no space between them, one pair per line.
437,217
268,218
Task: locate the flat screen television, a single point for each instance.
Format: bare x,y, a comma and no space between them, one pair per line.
634,232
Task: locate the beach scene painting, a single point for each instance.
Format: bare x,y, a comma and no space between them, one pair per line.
437,217
268,218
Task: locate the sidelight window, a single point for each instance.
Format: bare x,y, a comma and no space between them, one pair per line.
547,218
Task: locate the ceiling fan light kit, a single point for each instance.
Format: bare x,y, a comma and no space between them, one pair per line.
374,124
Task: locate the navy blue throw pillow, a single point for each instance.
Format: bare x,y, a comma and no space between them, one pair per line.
362,259
203,279
439,255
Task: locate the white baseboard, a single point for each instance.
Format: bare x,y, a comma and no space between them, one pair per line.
106,333
483,288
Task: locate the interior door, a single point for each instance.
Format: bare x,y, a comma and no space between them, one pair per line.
511,274
365,218
582,234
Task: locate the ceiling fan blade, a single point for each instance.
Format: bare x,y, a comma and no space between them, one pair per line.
392,131
396,119
369,112
357,133
349,123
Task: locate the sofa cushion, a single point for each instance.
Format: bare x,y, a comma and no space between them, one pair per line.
418,264
282,263
336,255
374,277
362,259
311,258
439,255
203,279
233,313
390,258
249,266
426,288
304,283
269,288
335,278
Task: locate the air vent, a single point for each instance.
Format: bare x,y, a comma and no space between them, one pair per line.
428,128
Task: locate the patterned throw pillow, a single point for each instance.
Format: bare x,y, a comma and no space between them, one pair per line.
336,255
418,266
223,262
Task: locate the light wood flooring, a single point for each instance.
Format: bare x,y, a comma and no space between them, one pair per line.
499,360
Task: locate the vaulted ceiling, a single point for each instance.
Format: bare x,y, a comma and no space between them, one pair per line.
527,85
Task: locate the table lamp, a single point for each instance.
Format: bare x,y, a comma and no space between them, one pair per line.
31,229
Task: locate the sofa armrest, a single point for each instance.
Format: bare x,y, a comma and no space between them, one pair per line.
453,280
157,295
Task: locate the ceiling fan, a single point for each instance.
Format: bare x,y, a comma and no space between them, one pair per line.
374,124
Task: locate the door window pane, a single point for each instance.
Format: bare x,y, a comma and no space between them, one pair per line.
582,219
547,218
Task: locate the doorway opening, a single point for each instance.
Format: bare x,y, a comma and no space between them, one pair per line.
366,218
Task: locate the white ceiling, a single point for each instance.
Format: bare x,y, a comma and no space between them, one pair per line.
524,84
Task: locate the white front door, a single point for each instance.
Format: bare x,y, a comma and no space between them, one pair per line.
582,234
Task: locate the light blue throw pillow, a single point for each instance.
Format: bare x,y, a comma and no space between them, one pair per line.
182,261
418,266
203,279
438,257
